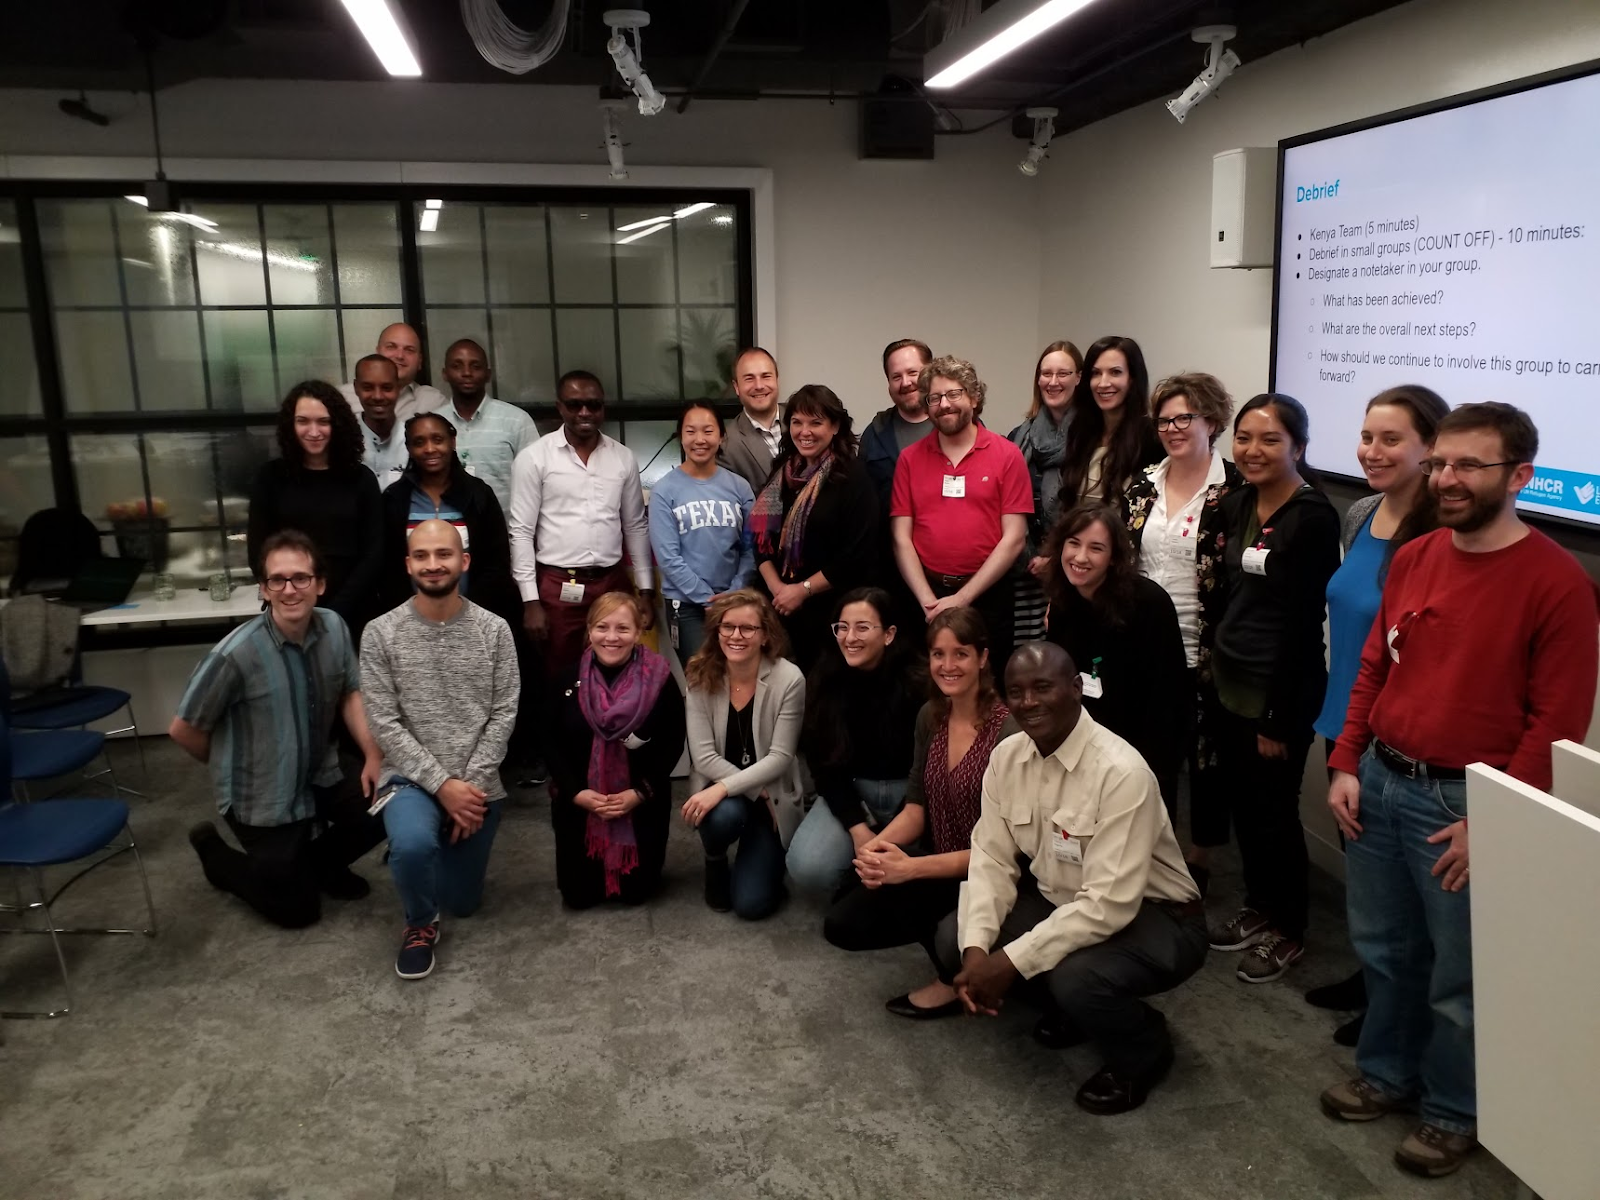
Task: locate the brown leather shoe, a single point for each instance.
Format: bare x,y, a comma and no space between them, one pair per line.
1358,1100
1431,1152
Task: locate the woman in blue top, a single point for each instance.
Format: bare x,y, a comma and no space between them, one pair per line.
697,529
1395,437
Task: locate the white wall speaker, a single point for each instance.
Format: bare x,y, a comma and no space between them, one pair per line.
1244,185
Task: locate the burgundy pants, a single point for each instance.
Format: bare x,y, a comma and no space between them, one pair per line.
567,622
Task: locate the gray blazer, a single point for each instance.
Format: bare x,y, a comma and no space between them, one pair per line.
1355,517
780,707
744,451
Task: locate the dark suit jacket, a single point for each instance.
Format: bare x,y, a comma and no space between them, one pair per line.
744,451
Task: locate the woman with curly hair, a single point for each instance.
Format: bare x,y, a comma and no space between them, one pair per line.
318,486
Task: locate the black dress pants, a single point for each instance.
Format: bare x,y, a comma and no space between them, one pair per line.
897,914
997,608
581,879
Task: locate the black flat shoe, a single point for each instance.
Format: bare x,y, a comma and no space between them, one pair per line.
901,1006
1055,1031
1106,1094
1348,995
1349,1033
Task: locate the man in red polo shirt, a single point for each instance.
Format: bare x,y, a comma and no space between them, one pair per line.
960,507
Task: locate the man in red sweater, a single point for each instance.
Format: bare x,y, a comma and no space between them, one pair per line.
1485,649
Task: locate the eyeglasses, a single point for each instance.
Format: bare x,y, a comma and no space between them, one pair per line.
585,405
276,583
739,631
860,629
1054,375
1175,421
1465,468
937,398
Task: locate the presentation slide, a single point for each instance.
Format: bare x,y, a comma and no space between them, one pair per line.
1459,250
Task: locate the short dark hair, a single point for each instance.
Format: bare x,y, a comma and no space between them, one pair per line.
288,539
704,406
345,447
1114,598
467,342
1519,436
372,358
903,343
748,351
579,376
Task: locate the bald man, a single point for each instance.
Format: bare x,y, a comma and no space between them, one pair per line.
440,677
400,344
1105,913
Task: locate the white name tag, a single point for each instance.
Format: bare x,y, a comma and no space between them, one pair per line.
1093,688
571,592
955,486
1254,560
1067,848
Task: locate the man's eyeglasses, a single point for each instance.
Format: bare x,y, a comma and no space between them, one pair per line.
1464,468
937,398
1175,421
860,629
276,583
593,406
740,631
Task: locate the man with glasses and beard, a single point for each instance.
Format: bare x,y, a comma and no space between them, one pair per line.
442,689
576,504
1484,650
259,710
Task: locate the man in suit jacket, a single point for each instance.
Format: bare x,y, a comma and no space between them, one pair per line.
753,437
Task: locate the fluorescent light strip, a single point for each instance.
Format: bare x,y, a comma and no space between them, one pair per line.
690,210
434,203
632,225
378,25
251,254
429,221
1024,29
634,237
186,218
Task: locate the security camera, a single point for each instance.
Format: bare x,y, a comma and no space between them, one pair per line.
626,57
1044,128
1220,64
613,136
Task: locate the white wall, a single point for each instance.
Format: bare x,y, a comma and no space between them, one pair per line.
865,252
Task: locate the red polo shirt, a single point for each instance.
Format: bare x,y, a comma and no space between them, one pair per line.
954,533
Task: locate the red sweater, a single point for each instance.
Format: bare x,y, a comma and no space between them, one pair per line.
1494,658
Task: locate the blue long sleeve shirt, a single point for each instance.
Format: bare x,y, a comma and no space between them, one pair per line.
697,531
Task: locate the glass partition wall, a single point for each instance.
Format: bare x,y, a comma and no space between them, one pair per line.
147,353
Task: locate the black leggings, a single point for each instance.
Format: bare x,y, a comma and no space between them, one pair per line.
897,914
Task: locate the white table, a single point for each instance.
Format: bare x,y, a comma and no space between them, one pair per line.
190,605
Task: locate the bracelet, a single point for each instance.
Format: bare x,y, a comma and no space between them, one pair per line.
806,583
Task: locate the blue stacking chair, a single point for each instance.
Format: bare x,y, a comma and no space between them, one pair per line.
78,706
52,833
47,754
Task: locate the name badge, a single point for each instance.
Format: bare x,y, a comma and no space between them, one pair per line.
1067,849
955,486
572,592
1093,687
1254,560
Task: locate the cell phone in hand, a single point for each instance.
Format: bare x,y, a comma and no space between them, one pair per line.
384,796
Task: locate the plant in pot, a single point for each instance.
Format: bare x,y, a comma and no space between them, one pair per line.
142,529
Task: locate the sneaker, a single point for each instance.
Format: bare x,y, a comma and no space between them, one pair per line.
719,885
1348,995
533,775
1432,1152
1270,958
1358,1100
1241,932
415,960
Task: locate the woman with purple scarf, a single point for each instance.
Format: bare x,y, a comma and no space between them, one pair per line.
815,523
618,732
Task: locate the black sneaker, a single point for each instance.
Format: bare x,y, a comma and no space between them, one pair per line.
415,960
719,885
535,774
1348,995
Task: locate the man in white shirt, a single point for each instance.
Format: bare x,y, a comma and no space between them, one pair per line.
576,501
1105,913
383,438
489,433
400,344
755,435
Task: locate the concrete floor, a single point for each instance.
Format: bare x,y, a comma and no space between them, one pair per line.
660,1052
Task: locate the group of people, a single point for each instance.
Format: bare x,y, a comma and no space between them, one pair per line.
946,681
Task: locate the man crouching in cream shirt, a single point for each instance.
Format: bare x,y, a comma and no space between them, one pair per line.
1106,912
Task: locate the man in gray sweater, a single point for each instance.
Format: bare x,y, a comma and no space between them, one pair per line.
439,675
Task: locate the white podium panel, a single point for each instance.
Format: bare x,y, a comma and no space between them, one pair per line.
1576,777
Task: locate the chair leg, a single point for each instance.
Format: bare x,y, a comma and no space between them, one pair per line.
144,768
61,958
144,879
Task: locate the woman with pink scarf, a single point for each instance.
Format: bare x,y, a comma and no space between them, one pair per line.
618,732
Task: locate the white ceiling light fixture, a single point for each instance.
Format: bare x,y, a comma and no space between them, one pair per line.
1044,128
689,210
187,218
429,221
632,225
995,33
433,203
384,33
643,233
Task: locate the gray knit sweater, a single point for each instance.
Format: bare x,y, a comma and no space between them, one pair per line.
441,697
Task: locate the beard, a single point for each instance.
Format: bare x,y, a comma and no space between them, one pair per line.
437,587
1479,513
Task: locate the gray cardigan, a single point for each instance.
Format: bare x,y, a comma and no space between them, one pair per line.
1355,517
744,451
780,707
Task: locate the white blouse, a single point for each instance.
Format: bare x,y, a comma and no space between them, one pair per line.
1167,550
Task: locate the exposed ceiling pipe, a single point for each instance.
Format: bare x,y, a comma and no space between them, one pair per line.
715,52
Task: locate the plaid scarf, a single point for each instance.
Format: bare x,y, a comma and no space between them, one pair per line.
777,534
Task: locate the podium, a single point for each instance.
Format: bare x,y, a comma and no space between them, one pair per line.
1536,972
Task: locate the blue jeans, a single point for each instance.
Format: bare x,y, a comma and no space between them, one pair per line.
1414,940
757,872
431,872
821,850
687,621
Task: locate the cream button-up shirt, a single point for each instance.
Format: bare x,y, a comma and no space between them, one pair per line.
1089,820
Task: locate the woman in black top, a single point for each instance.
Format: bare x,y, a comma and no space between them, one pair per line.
319,487
860,724
435,484
815,523
618,732
1266,553
1111,437
1122,632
